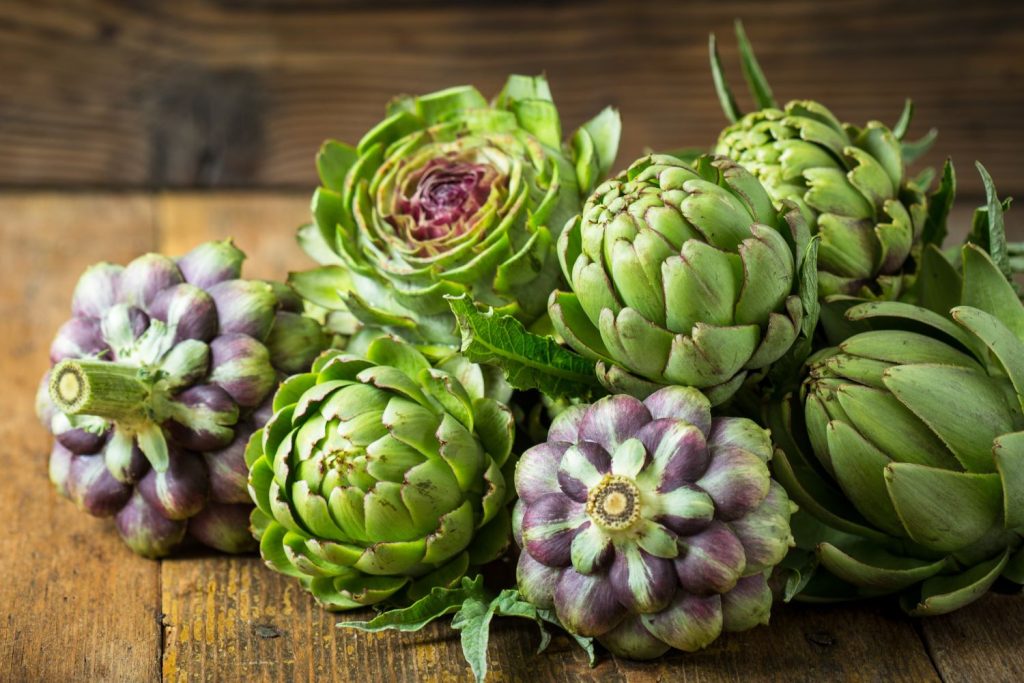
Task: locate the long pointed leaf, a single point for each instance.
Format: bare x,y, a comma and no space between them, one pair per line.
759,86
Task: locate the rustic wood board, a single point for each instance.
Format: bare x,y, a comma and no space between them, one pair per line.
201,93
77,605
74,605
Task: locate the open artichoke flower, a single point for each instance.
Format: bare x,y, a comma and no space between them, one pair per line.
381,474
159,378
918,480
681,275
650,525
850,183
451,195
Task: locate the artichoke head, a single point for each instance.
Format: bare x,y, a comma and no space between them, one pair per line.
451,195
851,186
681,275
650,525
917,431
158,379
380,476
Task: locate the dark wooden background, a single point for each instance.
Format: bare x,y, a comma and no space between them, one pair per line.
127,127
236,93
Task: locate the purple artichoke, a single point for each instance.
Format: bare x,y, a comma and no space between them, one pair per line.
650,525
159,378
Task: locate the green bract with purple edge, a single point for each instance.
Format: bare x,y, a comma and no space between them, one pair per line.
158,379
650,525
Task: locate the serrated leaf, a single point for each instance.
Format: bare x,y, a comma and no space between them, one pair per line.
939,204
529,361
439,602
473,621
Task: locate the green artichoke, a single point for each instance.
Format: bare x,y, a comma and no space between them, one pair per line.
451,195
850,183
650,525
381,474
918,480
682,275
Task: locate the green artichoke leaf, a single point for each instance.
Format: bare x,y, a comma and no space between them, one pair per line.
313,241
756,81
938,284
939,204
944,594
987,288
323,286
529,361
921,495
725,97
804,481
899,309
594,148
989,227
333,162
866,565
1009,454
1004,344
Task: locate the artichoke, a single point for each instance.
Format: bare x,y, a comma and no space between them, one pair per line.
650,525
918,431
850,183
451,195
158,379
682,275
381,476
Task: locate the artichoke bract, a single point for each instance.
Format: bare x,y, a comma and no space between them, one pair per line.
681,275
917,476
381,476
650,525
158,380
451,195
850,183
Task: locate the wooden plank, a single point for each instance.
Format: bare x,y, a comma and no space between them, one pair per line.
981,642
75,603
201,93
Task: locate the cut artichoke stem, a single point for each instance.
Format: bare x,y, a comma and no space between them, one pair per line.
100,388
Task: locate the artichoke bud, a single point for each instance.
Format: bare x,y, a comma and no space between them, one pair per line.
295,341
146,277
388,486
149,380
649,526
212,262
448,196
679,275
244,307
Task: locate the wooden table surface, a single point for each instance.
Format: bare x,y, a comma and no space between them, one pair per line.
76,605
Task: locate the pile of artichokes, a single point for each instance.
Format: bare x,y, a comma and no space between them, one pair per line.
673,396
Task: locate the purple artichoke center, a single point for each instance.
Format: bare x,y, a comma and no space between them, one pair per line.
614,503
447,193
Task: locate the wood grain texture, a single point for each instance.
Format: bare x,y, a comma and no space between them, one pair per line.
75,603
202,94
981,642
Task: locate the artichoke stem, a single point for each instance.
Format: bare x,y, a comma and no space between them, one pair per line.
100,388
